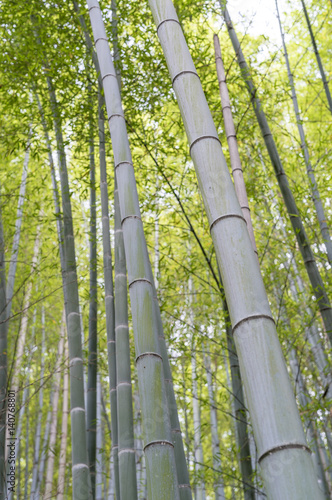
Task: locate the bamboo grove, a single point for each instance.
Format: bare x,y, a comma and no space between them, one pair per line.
165,251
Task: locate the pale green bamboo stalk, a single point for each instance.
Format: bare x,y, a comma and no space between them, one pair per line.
3,359
18,225
216,460
277,426
236,165
26,455
80,468
140,463
99,445
93,305
109,297
312,181
319,61
298,228
42,460
127,462
159,449
54,417
64,429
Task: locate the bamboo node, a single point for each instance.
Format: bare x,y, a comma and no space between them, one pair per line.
148,354
238,216
284,447
122,162
163,442
253,316
203,137
139,280
168,20
100,38
183,73
108,74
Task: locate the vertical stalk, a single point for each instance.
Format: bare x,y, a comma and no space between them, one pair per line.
312,181
41,464
298,228
99,445
109,296
64,429
319,61
3,360
159,449
54,417
127,462
92,360
277,428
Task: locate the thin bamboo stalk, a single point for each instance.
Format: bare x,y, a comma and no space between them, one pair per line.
298,228
99,445
127,462
239,184
319,61
109,297
311,175
17,234
216,460
54,418
42,460
3,360
159,451
93,305
64,429
278,431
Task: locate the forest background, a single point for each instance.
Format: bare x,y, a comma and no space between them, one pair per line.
175,224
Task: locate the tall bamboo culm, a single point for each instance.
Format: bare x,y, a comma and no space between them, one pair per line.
127,457
298,228
109,295
277,426
311,175
3,360
159,449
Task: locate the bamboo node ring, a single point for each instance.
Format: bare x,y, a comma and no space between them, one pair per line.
148,354
253,316
183,73
238,216
123,162
284,447
166,21
203,137
139,280
162,442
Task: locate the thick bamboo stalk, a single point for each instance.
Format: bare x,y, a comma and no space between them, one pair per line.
298,228
277,426
312,181
319,61
239,184
17,234
54,418
219,483
64,430
109,297
3,360
127,462
159,449
92,358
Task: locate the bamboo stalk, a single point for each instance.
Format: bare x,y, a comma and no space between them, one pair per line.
109,297
278,431
311,175
159,449
64,429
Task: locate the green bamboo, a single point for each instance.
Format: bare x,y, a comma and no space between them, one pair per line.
298,228
127,462
277,426
319,61
311,175
92,359
159,449
3,360
80,468
109,296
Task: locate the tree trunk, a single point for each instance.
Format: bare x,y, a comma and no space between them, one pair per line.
64,430
277,425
